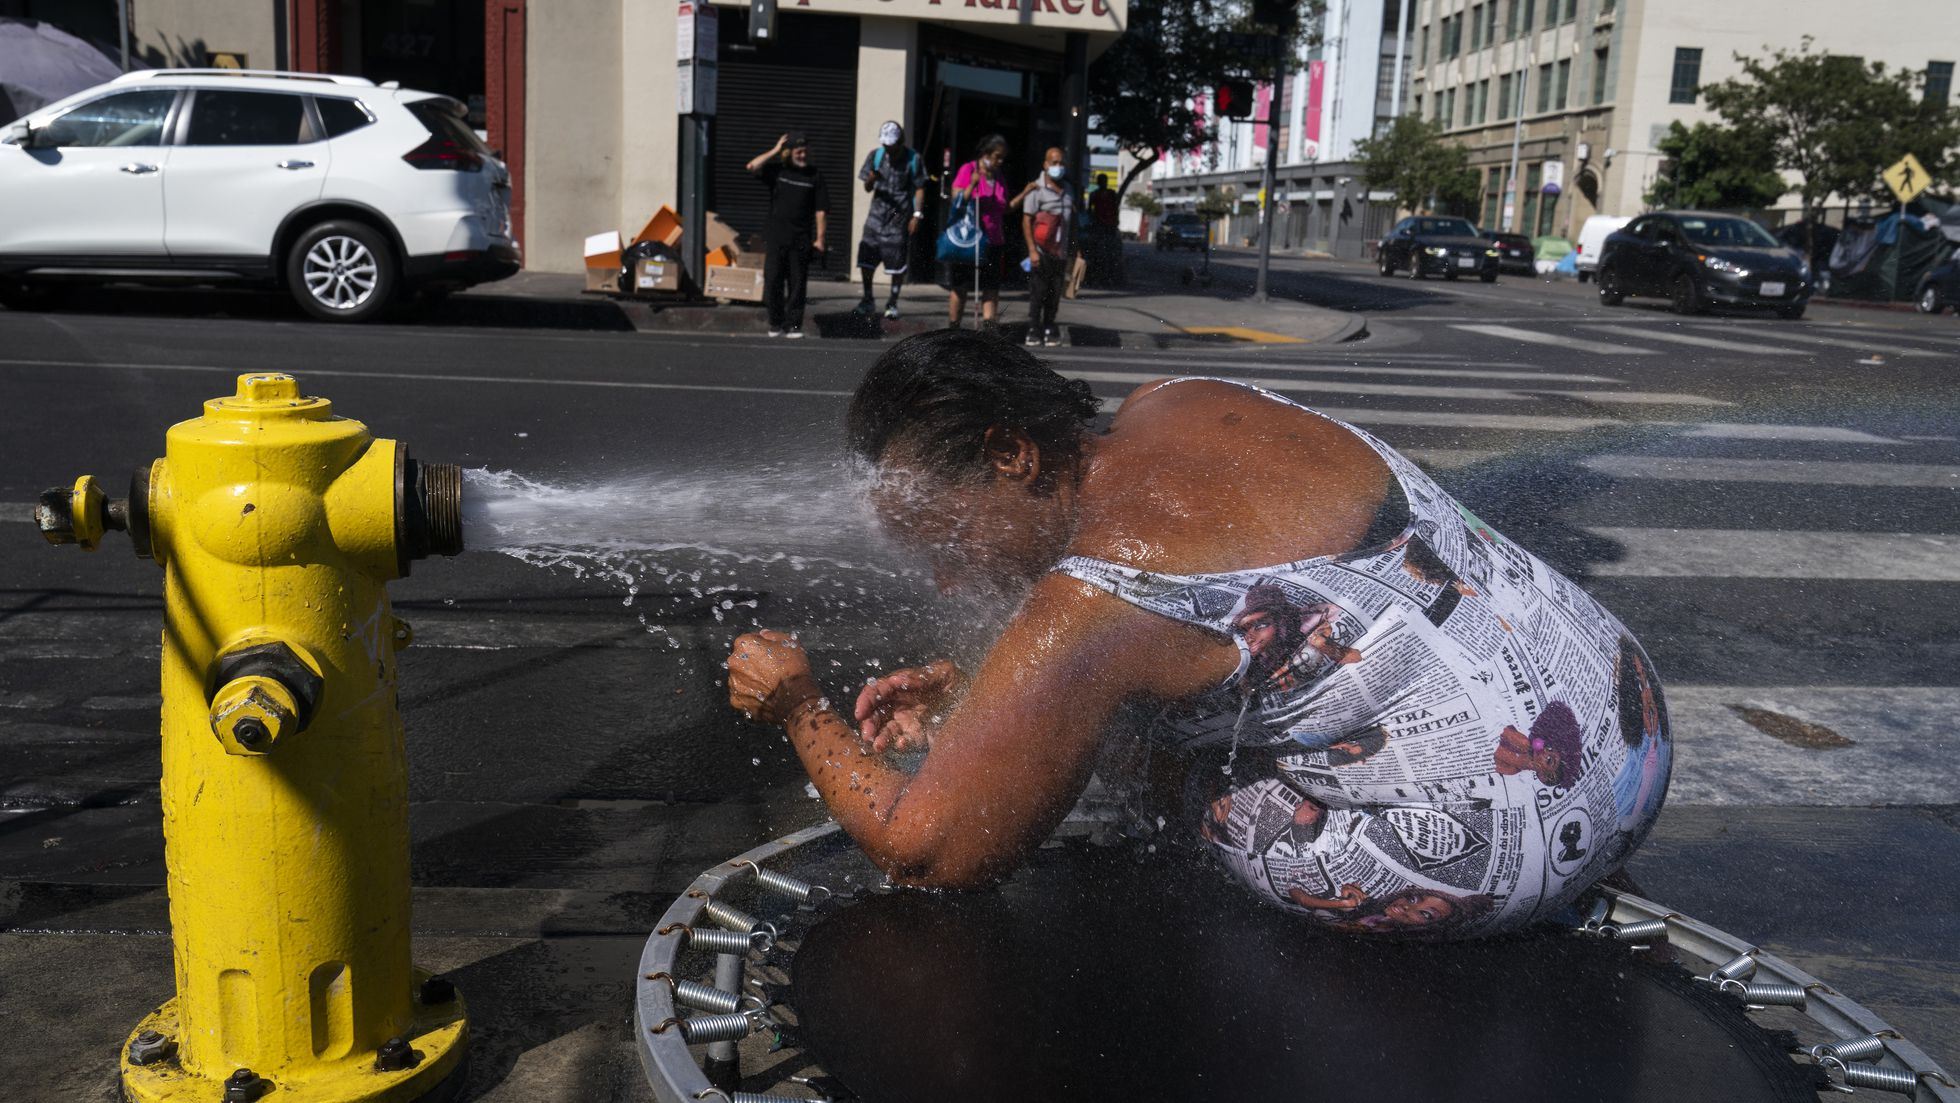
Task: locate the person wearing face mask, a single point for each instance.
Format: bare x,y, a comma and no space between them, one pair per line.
896,178
1047,214
979,180
799,208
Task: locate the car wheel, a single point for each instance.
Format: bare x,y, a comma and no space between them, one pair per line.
1384,266
1790,312
1487,277
30,297
1609,288
1415,265
1583,275
1929,300
1687,296
342,272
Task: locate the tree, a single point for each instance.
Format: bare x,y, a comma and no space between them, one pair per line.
1716,168
1218,202
1835,122
1413,163
1143,89
1147,203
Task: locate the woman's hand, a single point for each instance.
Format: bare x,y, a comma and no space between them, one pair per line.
769,676
893,712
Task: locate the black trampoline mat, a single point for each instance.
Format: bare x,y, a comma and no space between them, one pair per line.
1091,978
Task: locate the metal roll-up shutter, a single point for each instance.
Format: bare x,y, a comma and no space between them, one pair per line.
806,80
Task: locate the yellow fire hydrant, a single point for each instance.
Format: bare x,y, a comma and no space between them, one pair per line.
285,792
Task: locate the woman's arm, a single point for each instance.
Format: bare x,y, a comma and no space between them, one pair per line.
1014,755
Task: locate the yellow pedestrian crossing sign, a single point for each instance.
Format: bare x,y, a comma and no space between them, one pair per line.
1907,178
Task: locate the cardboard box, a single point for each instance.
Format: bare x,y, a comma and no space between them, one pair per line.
730,282
602,261
717,258
656,275
664,227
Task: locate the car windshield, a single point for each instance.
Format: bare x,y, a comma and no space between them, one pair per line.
1445,226
1181,219
1728,231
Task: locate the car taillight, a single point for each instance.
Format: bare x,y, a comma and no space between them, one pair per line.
1581,248
441,152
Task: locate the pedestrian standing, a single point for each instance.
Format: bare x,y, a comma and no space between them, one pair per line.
799,210
1105,245
979,180
1047,219
896,178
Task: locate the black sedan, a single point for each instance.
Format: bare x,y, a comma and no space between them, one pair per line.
1180,229
1448,247
1940,289
1697,258
1515,255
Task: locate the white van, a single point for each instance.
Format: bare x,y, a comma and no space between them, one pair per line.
1592,242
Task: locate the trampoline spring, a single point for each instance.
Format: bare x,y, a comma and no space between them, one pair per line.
1645,930
713,941
1601,911
752,1097
705,997
710,1028
1740,967
1868,1048
735,919
1769,994
1903,1082
782,884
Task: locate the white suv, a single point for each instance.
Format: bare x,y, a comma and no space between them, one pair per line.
350,195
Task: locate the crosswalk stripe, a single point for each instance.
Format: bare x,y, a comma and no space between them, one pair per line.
1883,344
1753,348
1792,434
1337,368
1779,553
1898,754
1817,473
1534,337
1299,385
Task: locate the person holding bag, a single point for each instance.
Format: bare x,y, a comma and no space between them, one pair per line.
979,195
1047,223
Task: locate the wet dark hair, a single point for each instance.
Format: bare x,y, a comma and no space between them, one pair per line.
938,393
988,144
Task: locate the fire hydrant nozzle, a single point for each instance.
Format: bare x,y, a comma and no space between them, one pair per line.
278,525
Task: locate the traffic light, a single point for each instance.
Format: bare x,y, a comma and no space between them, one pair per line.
1235,99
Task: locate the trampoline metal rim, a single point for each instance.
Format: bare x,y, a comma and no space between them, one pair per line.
676,1078
1830,1009
670,1069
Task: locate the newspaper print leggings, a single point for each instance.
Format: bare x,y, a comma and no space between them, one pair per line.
1439,737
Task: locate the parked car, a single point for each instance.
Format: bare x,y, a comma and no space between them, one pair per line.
1940,289
1592,240
1515,256
1449,247
349,195
1181,229
1698,258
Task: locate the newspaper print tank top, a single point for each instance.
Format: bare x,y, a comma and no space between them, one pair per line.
1453,719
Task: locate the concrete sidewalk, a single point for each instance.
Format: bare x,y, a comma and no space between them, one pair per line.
1155,310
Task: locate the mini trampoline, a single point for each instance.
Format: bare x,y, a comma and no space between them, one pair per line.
1100,972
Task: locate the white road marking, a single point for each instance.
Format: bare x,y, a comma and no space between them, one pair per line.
1445,459
1885,345
1458,369
1901,752
1811,473
1571,344
1779,553
1806,434
1752,348
1415,390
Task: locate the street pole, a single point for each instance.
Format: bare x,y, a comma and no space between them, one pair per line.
1266,179
1405,17
122,30
1517,138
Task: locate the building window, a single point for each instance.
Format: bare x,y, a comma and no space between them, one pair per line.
1493,195
1476,29
1422,45
1599,77
1687,75
1446,109
1606,6
1544,88
1456,35
1511,20
1490,23
1546,211
1939,81
1504,96
1564,83
1528,202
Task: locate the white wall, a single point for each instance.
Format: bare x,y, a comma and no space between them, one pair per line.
573,156
177,33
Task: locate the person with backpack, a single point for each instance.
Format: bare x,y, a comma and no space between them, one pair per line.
1047,223
979,182
896,178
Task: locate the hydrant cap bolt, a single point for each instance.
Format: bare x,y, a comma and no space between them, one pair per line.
149,1047
253,713
268,387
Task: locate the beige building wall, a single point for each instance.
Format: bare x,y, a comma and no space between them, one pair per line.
885,83
172,34
573,113
649,131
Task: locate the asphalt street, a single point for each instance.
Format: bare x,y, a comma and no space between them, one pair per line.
1769,505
